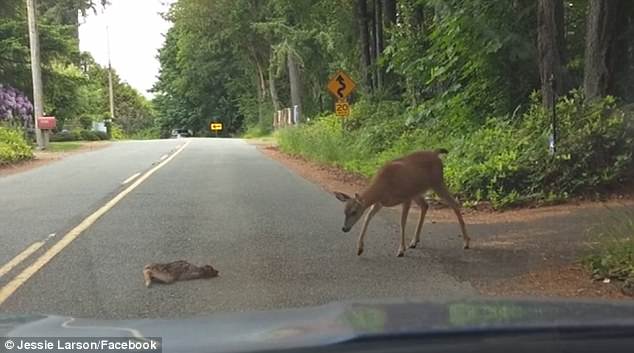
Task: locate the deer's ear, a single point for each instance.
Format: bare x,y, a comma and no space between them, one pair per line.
341,196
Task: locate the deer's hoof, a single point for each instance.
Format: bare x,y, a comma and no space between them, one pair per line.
413,245
359,252
466,246
400,254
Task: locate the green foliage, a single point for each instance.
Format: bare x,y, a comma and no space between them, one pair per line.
500,161
79,135
150,133
13,146
117,132
613,254
255,132
63,146
75,87
64,136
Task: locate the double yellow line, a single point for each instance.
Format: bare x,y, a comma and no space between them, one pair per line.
27,273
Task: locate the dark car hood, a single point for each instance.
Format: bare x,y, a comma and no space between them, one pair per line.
331,323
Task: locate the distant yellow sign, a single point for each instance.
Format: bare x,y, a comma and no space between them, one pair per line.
342,108
341,85
215,126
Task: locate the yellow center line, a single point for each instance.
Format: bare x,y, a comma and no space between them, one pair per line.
27,273
20,257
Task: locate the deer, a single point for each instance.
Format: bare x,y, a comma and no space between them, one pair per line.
401,182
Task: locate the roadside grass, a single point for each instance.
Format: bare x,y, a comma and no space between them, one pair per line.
613,250
256,132
260,137
64,146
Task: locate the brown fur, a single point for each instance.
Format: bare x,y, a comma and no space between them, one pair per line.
176,271
401,182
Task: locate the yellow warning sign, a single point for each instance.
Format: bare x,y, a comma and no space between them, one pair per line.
341,85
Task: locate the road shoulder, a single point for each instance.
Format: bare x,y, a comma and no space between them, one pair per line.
45,157
524,252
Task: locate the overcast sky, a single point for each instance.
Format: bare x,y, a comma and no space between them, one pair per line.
136,33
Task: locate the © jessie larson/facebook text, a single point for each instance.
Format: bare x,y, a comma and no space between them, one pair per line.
82,345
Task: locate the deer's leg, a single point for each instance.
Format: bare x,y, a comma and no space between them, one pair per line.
404,213
161,276
373,210
420,201
445,195
147,277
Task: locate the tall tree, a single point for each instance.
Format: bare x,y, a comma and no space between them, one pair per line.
389,12
378,42
294,81
364,42
603,17
550,47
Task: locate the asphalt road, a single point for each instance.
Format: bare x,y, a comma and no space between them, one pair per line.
275,238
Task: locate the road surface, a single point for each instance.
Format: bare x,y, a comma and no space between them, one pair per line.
274,237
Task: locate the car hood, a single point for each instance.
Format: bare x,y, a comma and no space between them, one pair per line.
330,324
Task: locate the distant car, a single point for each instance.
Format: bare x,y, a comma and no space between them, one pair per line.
177,133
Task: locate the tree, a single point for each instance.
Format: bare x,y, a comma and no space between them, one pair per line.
603,24
364,42
550,48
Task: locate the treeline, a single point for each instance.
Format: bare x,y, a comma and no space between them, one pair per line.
75,86
480,77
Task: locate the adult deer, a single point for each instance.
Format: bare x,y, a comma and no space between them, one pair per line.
401,181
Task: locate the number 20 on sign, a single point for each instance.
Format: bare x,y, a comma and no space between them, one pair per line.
342,108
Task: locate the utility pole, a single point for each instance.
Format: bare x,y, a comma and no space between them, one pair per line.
110,89
36,71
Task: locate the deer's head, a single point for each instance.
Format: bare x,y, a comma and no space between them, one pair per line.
353,210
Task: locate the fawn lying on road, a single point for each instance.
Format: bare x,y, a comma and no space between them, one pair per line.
176,271
401,181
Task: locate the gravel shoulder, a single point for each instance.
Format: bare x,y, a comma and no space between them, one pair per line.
531,252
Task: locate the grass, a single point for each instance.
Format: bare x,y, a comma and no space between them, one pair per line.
613,254
64,146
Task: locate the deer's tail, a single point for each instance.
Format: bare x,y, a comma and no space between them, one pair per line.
441,151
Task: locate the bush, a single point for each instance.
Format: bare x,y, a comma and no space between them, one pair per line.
101,135
13,146
65,136
613,257
88,135
146,134
504,160
255,132
117,132
78,135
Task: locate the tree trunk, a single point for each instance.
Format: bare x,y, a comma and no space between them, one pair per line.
294,80
273,89
261,93
372,43
389,12
550,46
598,73
378,37
623,55
364,42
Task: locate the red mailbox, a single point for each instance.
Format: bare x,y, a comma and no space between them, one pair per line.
46,122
